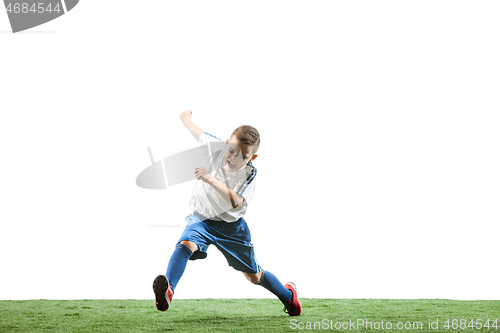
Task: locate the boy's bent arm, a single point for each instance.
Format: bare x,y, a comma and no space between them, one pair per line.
190,125
229,196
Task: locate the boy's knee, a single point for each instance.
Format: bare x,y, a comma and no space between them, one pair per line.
254,277
191,245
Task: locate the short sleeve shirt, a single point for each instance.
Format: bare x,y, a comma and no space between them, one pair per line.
206,201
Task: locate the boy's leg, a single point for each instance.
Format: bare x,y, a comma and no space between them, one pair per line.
164,286
177,263
287,293
234,241
194,240
269,281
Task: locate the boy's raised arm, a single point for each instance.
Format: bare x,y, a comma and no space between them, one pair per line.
190,125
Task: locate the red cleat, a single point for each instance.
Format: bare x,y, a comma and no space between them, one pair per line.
293,308
163,293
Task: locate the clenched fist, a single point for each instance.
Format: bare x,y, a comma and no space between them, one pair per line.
186,114
203,174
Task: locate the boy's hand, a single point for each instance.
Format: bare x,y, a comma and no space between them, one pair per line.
186,114
203,174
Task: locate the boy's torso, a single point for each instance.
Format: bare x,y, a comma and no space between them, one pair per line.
205,200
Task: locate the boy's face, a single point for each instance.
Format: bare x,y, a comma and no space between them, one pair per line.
237,154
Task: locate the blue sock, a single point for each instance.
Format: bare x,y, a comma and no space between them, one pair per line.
271,283
177,264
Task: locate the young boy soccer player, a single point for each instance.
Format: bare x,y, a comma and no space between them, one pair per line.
220,199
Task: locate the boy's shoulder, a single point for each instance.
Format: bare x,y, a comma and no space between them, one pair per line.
247,180
251,172
207,137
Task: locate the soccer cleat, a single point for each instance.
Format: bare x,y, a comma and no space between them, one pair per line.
163,292
293,308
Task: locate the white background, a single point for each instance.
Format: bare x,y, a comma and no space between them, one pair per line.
377,173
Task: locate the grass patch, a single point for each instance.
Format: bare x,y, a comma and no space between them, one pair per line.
241,315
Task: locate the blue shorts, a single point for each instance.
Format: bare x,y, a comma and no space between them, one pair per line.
232,239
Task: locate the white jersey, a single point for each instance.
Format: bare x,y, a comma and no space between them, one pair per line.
205,200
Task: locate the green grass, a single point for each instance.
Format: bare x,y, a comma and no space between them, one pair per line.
238,315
